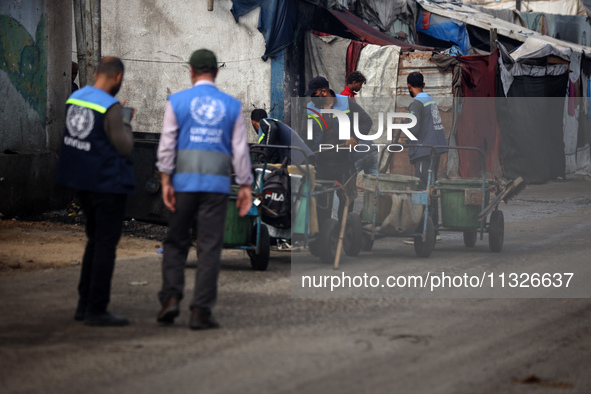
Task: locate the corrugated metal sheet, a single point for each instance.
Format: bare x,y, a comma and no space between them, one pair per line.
438,84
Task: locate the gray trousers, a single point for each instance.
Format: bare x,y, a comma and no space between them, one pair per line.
209,212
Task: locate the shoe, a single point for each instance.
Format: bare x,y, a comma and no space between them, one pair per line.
80,311
169,311
284,247
438,238
409,241
106,319
202,319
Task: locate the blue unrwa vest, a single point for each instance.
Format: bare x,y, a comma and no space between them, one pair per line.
431,132
206,120
88,160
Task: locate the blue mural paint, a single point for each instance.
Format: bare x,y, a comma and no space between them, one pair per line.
24,59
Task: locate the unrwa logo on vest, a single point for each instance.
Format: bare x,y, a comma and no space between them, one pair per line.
79,121
207,111
436,117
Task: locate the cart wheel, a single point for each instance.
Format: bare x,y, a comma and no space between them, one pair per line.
367,243
470,238
424,249
496,231
314,247
328,240
260,261
353,239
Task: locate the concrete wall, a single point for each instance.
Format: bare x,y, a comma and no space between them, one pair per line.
34,84
23,75
155,39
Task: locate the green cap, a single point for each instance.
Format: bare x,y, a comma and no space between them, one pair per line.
203,58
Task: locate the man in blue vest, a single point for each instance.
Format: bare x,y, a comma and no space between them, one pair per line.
273,132
203,138
429,131
95,160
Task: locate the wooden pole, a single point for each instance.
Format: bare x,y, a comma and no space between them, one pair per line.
88,46
337,257
493,40
95,8
80,40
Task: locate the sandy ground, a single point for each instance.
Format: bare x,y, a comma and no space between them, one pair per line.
30,246
271,342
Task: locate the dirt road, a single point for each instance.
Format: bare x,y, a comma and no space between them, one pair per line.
272,343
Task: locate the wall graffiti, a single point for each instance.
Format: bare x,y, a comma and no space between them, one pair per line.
24,59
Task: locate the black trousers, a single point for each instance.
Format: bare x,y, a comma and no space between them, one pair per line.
422,172
104,218
209,211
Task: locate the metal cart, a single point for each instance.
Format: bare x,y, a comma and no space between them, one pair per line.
331,233
465,205
377,205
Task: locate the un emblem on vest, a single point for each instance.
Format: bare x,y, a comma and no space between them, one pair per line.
435,114
207,111
79,121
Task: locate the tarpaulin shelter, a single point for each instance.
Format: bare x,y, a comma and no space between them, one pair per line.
540,132
388,15
477,121
334,42
444,29
277,21
571,28
562,7
370,35
533,63
506,31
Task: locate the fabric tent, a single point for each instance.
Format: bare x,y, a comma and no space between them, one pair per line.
368,34
519,63
277,21
570,28
383,13
353,53
326,56
477,121
379,64
562,7
531,124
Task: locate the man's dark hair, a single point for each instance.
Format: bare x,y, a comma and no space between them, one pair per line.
205,70
415,79
258,114
110,66
355,76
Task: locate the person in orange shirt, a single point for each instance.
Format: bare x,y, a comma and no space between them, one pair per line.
355,82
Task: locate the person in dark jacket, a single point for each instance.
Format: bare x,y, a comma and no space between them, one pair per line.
273,132
95,159
363,161
428,130
336,163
